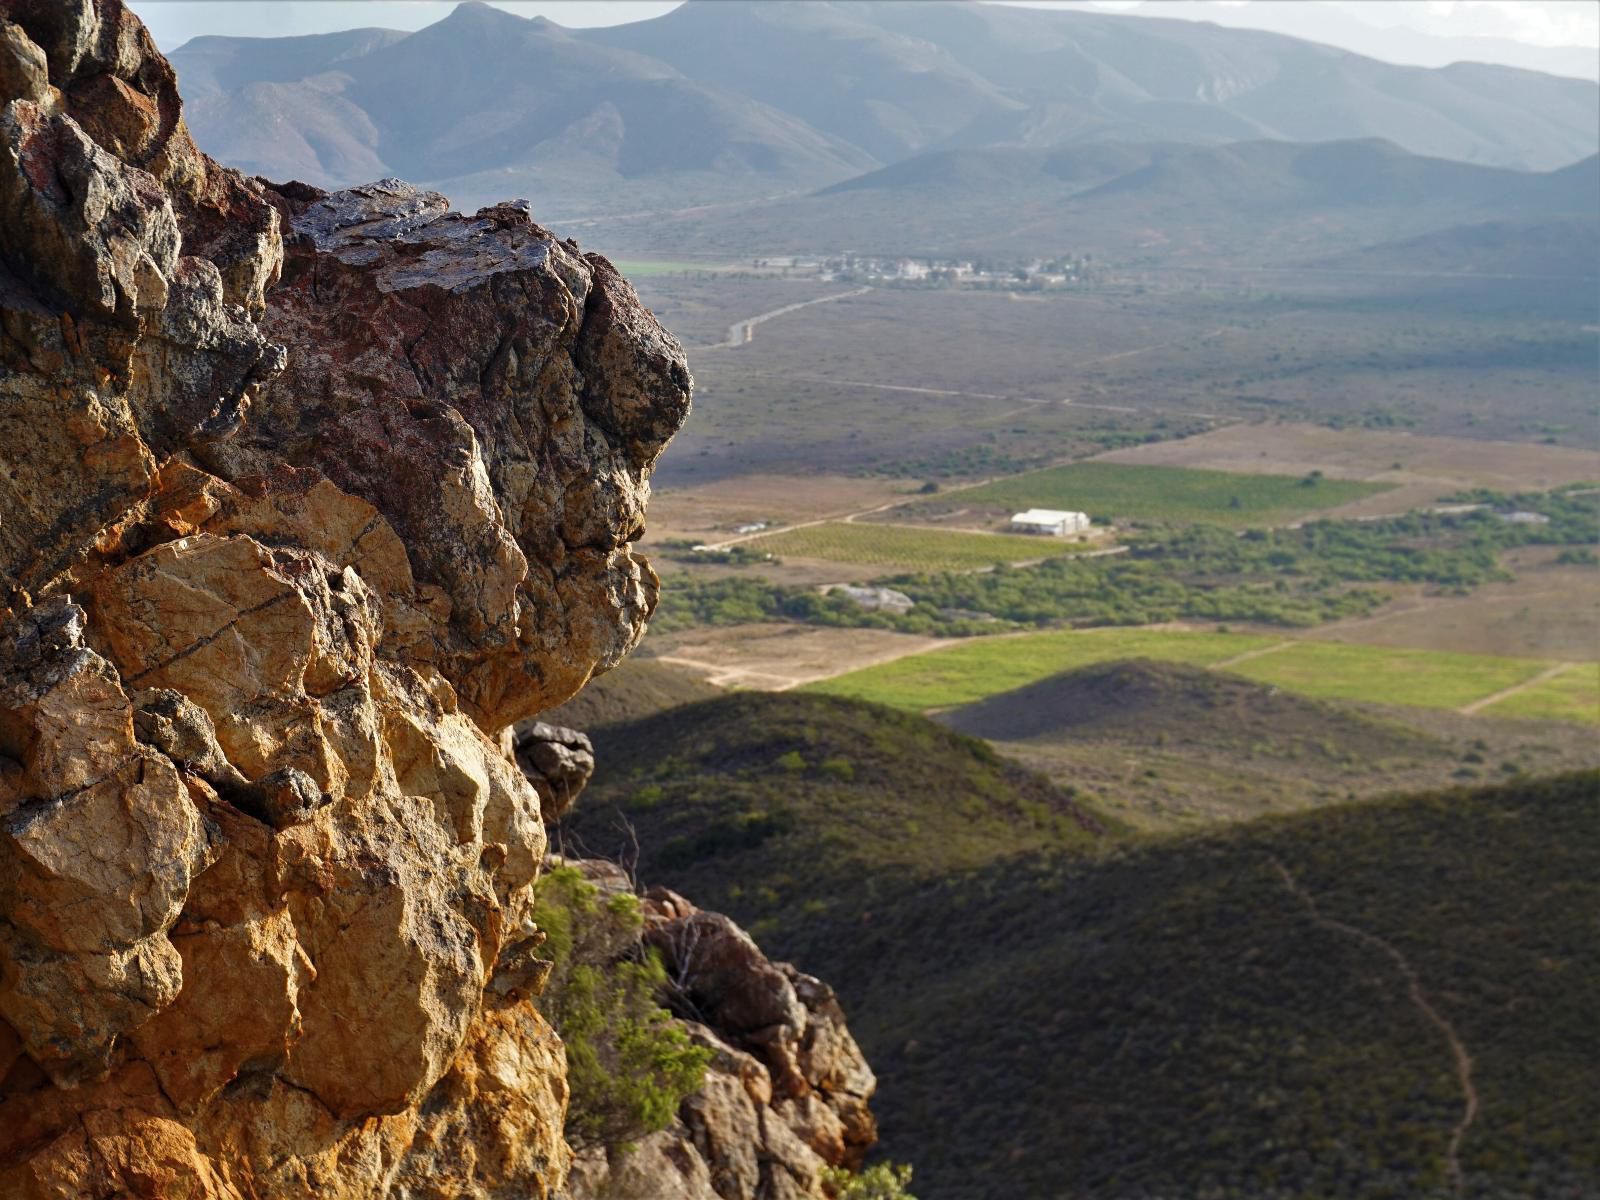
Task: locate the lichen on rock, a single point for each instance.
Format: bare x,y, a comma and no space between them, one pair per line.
304,500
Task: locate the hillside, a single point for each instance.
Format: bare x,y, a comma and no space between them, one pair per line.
734,794
1145,700
996,74
1269,1011
639,688
1168,746
1557,249
1239,205
486,104
720,102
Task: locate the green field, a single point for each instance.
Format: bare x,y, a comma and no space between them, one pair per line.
982,667
911,549
1573,695
1111,490
1385,675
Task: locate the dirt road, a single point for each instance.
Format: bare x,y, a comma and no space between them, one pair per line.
742,333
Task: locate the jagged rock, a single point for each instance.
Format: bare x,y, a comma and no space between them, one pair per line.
786,1091
304,500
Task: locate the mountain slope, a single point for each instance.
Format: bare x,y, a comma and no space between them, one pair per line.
638,687
487,91
1294,1006
1192,80
723,101
1141,699
736,793
1556,249
829,64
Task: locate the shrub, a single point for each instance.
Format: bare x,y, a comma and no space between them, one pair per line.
884,1181
629,1064
841,769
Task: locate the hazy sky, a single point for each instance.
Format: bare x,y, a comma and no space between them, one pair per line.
1569,23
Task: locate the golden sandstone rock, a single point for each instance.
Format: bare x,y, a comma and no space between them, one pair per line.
304,500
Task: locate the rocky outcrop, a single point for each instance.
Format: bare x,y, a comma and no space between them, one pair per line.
786,1090
304,500
560,759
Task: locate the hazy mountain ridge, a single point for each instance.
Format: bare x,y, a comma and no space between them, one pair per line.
798,96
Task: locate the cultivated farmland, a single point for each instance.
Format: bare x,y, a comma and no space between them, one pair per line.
912,549
979,667
1571,695
1388,675
982,667
1174,494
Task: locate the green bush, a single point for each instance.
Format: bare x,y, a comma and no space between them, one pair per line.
629,1064
884,1181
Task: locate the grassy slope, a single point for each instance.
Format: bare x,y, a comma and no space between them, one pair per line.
1573,695
1165,746
974,669
779,800
1050,1019
1108,490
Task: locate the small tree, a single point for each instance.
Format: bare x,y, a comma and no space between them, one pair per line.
629,1064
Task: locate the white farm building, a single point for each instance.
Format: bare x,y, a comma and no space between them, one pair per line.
1050,522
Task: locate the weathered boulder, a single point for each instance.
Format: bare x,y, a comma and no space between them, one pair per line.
786,1091
563,759
304,500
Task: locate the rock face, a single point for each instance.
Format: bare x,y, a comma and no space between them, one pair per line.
787,1088
304,500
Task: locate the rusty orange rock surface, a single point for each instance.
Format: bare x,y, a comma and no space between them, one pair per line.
304,500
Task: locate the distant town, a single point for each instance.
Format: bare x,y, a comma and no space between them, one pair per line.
1036,274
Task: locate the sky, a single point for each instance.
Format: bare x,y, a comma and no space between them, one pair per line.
1426,32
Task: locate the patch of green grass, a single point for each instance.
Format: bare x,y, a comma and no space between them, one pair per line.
1176,494
1573,695
1386,675
979,667
911,549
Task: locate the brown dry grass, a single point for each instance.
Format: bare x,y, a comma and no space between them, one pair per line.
1548,611
776,657
709,511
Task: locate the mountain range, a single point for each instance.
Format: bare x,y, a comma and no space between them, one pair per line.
730,100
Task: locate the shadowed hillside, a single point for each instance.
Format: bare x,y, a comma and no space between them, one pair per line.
780,800
1143,700
1381,999
639,687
